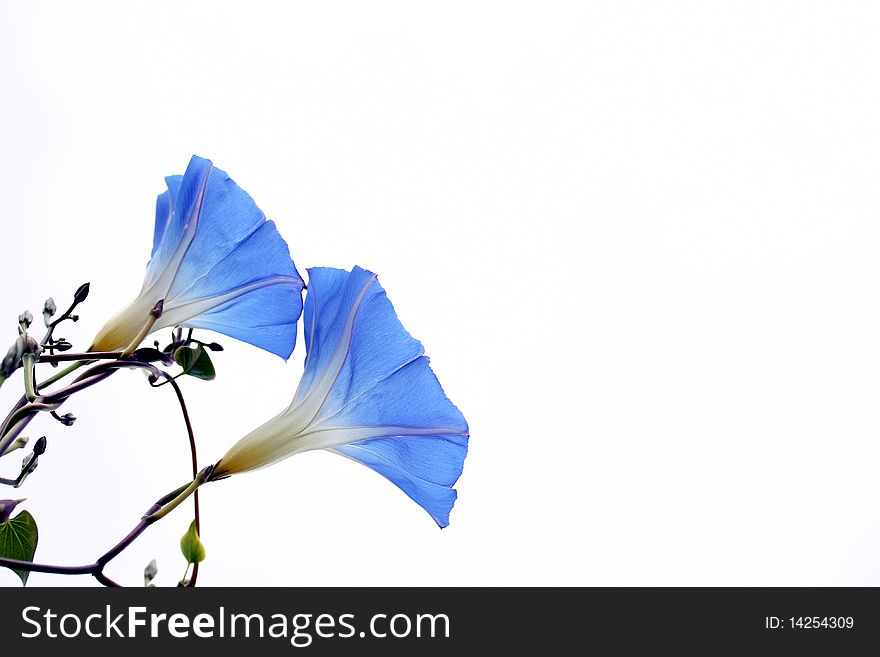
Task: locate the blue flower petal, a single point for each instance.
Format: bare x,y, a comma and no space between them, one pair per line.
163,216
164,207
186,204
365,372
227,218
410,396
219,264
350,308
433,465
260,257
329,284
265,318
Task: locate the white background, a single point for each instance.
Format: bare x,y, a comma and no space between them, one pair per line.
638,239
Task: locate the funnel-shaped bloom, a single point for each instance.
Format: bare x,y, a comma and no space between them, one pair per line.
367,393
217,264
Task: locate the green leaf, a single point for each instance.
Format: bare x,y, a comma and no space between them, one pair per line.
191,546
186,357
18,540
195,362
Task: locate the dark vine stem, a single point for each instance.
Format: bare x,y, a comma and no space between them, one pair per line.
79,296
106,581
15,483
91,355
170,380
23,412
96,569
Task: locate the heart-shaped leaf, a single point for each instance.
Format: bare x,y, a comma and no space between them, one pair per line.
195,362
18,540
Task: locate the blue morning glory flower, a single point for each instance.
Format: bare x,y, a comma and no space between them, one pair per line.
367,393
217,264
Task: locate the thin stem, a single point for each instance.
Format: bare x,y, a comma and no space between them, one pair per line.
130,538
79,385
12,435
176,502
79,296
25,471
165,500
21,417
10,429
88,356
19,420
21,402
170,380
29,362
106,581
23,412
16,444
17,564
63,373
96,569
